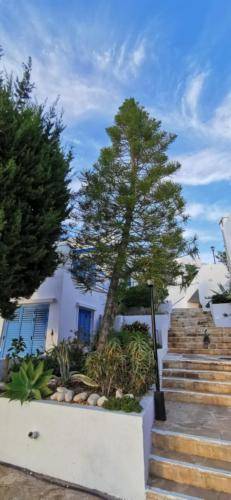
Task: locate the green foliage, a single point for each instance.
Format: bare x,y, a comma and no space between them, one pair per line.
29,382
189,272
221,256
18,346
126,361
136,296
125,403
65,357
34,180
133,213
107,366
137,326
140,364
222,297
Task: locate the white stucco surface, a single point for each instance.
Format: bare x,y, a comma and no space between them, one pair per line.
225,226
221,314
64,300
204,284
90,447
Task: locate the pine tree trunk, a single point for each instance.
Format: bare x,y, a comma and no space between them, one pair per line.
110,311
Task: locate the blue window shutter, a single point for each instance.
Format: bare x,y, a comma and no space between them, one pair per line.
30,322
11,330
40,328
27,326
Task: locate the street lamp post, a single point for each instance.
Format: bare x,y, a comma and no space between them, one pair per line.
213,252
159,403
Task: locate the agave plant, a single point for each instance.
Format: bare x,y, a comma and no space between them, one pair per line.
29,382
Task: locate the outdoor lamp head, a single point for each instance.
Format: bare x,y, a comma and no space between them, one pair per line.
150,283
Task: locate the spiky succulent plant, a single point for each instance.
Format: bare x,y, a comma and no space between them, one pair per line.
29,382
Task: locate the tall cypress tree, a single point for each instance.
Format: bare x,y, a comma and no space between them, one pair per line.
34,190
132,211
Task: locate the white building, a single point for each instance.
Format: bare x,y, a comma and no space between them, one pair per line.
225,225
205,283
55,311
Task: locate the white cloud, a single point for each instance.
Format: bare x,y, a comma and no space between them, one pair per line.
205,166
66,63
190,99
204,236
212,212
121,61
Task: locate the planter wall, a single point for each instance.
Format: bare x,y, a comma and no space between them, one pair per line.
221,314
90,447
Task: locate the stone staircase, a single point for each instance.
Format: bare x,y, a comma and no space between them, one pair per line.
187,331
191,455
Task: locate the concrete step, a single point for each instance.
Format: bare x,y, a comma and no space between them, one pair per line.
192,470
164,489
197,385
198,338
200,446
198,364
210,352
199,343
197,397
197,374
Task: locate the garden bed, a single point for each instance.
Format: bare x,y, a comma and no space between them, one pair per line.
86,446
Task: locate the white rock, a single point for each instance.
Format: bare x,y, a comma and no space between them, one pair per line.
101,401
93,398
62,389
54,396
79,398
60,396
119,394
68,395
129,396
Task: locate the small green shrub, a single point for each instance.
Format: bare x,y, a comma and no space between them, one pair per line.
66,357
140,364
136,296
126,362
222,297
137,326
106,367
18,347
29,382
125,403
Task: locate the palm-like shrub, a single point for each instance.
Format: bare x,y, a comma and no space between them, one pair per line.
107,367
140,364
29,382
125,362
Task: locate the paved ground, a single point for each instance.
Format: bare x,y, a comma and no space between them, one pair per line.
17,485
202,420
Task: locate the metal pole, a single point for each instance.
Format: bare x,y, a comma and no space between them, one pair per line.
213,252
154,339
159,403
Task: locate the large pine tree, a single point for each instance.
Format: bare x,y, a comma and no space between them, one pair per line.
34,190
132,211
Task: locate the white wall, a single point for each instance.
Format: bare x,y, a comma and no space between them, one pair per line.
90,447
65,299
225,225
207,280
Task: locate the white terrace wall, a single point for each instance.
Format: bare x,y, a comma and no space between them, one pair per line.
89,447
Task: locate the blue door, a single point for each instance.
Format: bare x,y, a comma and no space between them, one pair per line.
84,325
29,322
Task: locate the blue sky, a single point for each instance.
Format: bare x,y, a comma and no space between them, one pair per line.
173,56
